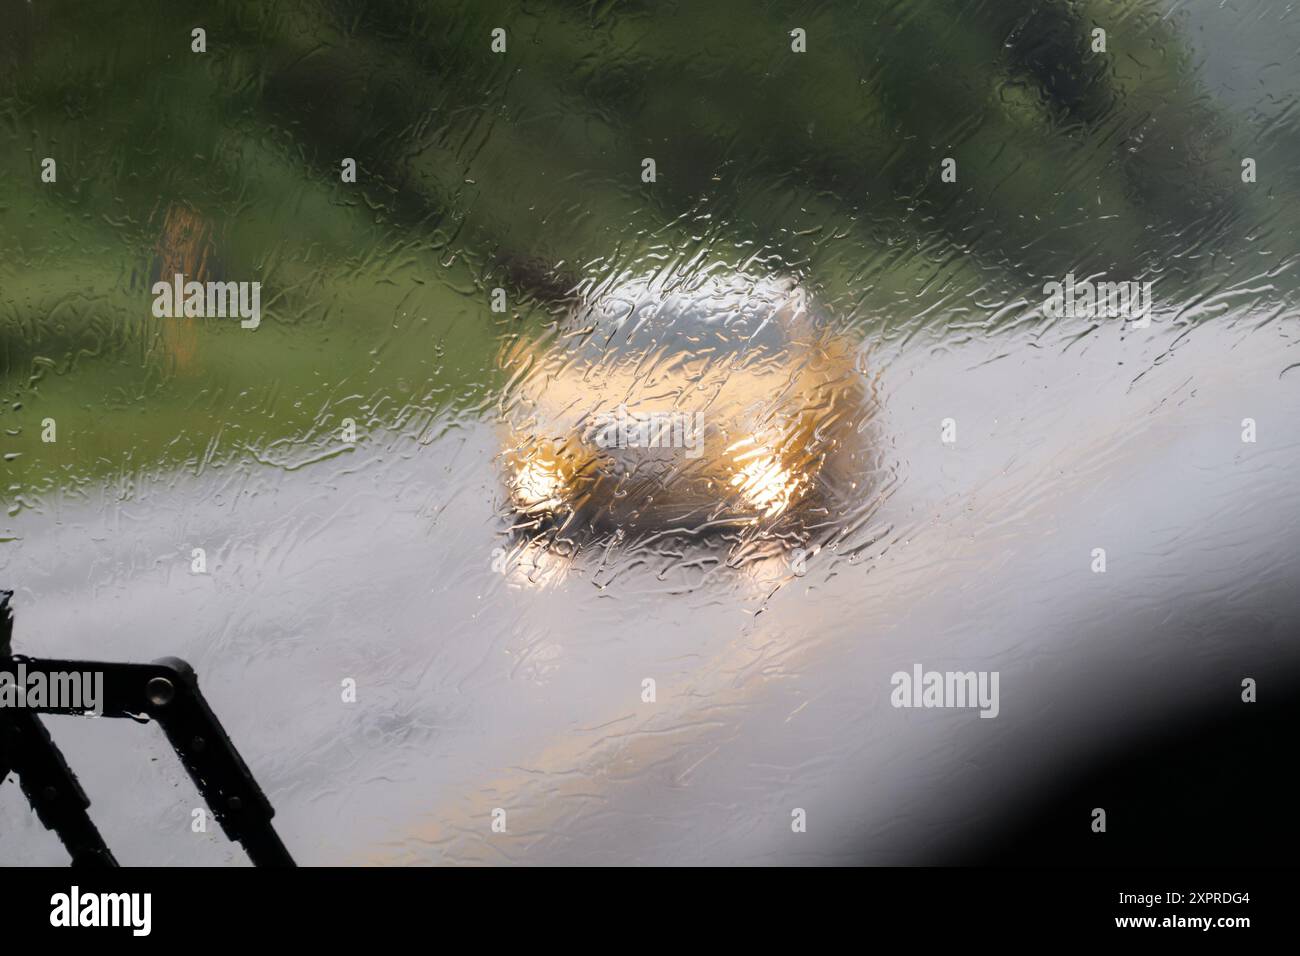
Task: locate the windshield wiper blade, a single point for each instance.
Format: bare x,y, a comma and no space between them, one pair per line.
166,691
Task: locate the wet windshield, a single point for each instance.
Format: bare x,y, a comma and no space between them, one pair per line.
580,410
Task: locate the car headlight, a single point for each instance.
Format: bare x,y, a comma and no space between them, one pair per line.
764,481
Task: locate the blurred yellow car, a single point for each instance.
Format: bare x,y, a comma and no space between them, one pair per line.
693,404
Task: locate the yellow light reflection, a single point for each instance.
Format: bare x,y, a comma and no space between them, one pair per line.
538,484
767,485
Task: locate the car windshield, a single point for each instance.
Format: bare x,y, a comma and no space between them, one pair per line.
586,410
714,320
